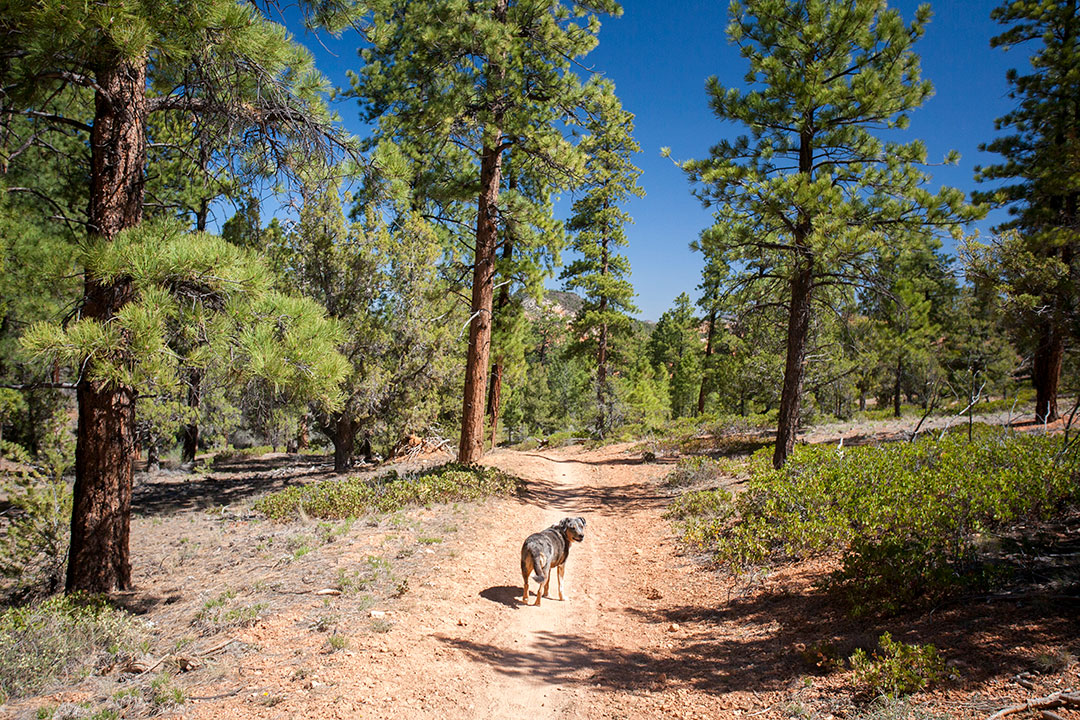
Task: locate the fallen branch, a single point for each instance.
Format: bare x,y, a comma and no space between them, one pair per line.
1062,698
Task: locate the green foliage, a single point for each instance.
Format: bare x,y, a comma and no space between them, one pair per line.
382,285
898,669
222,613
904,516
354,497
59,638
693,470
33,541
598,221
802,201
202,292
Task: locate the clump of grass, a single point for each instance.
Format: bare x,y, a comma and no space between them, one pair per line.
353,497
905,517
694,470
220,613
898,669
62,637
233,454
164,695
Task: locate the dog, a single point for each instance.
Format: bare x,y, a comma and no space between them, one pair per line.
549,549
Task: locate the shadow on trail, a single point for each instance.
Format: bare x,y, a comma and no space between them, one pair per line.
741,645
610,462
611,501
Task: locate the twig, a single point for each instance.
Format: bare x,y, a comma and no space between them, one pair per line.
218,647
1054,700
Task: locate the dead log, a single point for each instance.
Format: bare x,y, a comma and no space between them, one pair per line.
1062,698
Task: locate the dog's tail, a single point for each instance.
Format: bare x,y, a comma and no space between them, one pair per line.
538,567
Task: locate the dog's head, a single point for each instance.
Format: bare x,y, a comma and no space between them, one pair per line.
573,528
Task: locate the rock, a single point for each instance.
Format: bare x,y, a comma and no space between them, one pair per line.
673,627
377,613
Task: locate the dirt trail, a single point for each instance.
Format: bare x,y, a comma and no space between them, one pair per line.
465,646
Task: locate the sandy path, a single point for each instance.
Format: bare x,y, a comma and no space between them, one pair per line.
465,646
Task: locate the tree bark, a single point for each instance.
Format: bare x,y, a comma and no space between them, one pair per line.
898,385
342,434
795,363
802,284
602,418
1046,370
471,447
99,559
705,368
494,405
191,430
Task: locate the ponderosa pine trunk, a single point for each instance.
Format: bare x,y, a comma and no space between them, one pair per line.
898,387
708,354
99,560
602,418
191,430
342,433
494,404
190,445
799,312
795,363
471,447
1046,370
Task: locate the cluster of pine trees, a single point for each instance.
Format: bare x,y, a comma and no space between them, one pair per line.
398,285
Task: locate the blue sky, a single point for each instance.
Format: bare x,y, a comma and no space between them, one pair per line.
659,56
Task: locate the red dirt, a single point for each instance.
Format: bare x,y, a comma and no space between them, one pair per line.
646,632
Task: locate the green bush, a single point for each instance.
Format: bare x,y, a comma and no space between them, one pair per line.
904,516
694,470
899,668
353,497
33,543
58,638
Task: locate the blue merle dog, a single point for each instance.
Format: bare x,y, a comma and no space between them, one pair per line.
549,549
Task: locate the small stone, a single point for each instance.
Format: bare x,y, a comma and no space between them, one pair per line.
673,627
377,613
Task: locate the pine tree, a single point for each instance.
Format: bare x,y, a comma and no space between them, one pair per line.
804,198
214,58
382,284
598,220
675,350
1040,268
461,83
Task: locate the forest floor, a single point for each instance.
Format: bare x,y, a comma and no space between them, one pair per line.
418,614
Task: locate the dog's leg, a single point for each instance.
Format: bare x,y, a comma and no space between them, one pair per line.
562,569
526,569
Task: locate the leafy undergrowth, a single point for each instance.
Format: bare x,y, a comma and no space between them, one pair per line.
908,519
706,435
353,497
61,638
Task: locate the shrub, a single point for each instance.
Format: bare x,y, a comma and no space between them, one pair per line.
899,669
353,497
59,638
904,516
33,544
693,470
